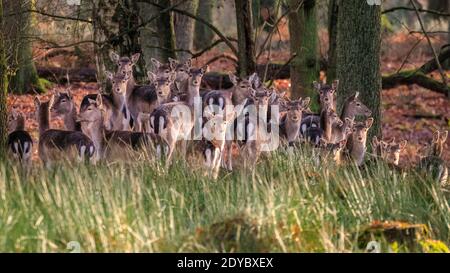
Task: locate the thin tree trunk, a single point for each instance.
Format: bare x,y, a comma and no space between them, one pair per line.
25,78
203,34
166,32
184,29
3,86
114,21
358,51
332,38
244,21
304,42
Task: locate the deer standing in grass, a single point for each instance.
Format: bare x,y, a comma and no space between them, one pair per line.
356,144
112,144
291,121
175,120
54,144
19,141
432,163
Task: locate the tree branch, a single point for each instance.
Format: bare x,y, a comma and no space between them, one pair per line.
55,16
435,12
441,71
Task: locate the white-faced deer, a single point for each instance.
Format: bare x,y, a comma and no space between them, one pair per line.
290,122
432,163
64,106
55,145
242,88
356,144
111,144
19,141
327,94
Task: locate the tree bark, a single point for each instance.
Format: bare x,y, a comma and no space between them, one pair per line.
358,51
113,22
203,34
166,32
244,21
184,29
25,79
332,38
304,42
3,86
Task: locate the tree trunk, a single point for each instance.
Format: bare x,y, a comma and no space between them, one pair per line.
304,42
3,86
203,34
25,78
244,21
358,51
166,32
332,38
115,29
184,29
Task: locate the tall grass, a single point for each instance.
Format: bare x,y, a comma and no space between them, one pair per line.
289,204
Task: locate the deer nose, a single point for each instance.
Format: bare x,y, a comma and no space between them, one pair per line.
360,138
196,82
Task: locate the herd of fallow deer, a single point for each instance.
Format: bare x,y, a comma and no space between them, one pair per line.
160,116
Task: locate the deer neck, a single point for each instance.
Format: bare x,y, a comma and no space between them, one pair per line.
20,126
238,96
346,113
357,150
325,124
70,120
292,128
96,131
130,86
44,119
193,92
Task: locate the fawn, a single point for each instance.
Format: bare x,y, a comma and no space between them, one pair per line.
334,151
19,141
389,151
432,163
290,122
63,105
327,94
356,144
58,144
111,144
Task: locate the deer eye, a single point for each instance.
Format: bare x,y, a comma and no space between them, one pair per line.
358,104
167,71
63,100
354,130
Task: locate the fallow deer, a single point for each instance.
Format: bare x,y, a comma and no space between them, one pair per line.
64,106
356,144
290,122
432,163
19,141
58,144
111,144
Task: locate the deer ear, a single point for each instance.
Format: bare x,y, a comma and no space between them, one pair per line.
114,56
109,75
316,86
188,63
233,78
375,141
157,64
151,76
369,123
436,136
403,144
203,70
37,102
172,77
444,137
306,101
356,95
51,101
253,78
99,101
135,58
173,63
335,85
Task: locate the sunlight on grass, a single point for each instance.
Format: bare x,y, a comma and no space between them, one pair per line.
290,204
